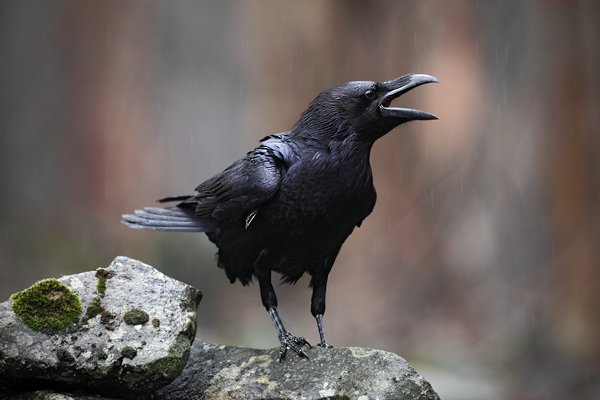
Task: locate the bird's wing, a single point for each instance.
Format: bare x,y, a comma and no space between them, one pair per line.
235,194
240,190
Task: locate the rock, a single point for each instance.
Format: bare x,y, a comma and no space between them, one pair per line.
107,345
228,372
218,372
51,395
126,332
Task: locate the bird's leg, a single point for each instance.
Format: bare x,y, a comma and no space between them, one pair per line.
269,299
286,339
317,306
324,343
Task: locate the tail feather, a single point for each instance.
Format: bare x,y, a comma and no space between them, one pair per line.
167,219
175,198
163,214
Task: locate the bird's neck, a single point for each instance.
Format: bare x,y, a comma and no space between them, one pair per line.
336,138
350,149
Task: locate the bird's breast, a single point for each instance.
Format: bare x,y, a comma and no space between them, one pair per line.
326,192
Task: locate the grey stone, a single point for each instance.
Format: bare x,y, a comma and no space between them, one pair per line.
218,372
51,395
228,372
101,352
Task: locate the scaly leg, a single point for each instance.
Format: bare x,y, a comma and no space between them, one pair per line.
287,340
317,305
269,299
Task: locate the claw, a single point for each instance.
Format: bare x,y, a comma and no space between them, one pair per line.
325,345
288,341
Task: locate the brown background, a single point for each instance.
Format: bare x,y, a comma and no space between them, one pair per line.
480,263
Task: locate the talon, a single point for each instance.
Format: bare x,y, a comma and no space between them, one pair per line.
288,341
303,342
282,353
302,354
325,345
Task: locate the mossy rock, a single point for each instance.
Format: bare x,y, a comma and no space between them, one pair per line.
100,352
47,306
135,316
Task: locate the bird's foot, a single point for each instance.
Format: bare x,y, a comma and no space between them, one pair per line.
288,341
325,345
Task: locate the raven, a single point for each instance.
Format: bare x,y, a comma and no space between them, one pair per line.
290,203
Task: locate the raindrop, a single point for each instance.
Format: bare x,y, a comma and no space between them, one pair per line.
108,35
431,196
416,44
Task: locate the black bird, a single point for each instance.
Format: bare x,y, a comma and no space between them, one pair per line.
289,204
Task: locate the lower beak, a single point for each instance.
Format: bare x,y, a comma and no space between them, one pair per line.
397,88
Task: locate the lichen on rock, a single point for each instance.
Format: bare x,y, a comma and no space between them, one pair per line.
47,306
229,372
135,316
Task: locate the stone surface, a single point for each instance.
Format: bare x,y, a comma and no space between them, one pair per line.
52,395
218,372
132,341
228,372
100,352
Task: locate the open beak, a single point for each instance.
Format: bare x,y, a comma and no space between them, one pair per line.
396,88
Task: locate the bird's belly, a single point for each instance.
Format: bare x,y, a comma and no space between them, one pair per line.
301,229
306,250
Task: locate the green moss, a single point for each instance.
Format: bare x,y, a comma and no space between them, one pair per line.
101,286
135,316
48,306
101,274
94,308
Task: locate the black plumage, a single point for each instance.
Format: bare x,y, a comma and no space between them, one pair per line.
289,204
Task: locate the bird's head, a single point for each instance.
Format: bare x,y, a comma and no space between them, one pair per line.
362,108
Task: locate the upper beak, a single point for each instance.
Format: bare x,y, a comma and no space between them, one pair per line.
397,87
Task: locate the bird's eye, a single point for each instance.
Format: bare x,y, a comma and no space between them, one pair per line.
370,94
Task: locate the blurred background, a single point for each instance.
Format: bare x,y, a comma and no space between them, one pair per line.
480,263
